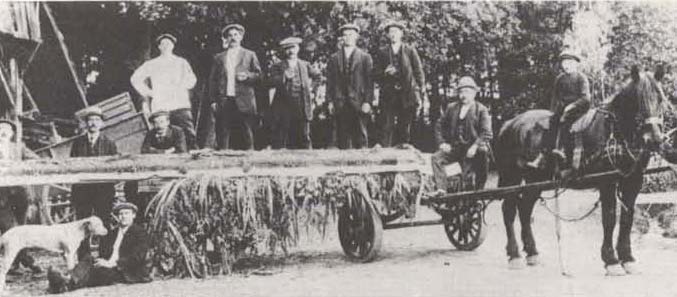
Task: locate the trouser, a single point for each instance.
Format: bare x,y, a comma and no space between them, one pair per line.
228,116
351,128
184,118
397,124
291,132
479,165
13,208
86,274
93,199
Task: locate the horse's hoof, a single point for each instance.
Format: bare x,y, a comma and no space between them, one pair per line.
630,268
615,270
533,260
515,263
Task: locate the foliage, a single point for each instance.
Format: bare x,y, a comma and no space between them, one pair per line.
203,224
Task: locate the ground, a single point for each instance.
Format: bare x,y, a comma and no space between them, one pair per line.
421,262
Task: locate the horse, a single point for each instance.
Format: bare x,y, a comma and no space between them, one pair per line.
620,136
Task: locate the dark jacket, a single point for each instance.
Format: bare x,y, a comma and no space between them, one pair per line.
479,130
103,147
411,76
281,101
133,254
174,138
571,88
244,91
360,88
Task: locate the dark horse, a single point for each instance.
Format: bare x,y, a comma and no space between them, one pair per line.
621,136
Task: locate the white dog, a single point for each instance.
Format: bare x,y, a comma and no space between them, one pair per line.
62,238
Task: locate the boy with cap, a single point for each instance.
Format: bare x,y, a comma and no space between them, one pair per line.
463,132
123,257
96,197
570,101
234,74
350,89
292,106
165,82
399,73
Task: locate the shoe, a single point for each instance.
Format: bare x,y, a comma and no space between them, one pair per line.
536,163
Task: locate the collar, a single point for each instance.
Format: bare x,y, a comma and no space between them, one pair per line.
93,136
349,50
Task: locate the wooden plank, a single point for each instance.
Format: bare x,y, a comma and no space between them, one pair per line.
657,198
222,163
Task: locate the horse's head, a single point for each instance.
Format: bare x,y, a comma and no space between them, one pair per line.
639,108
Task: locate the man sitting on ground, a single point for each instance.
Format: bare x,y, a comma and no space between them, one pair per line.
123,257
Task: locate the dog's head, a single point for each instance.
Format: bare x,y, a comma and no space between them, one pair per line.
94,226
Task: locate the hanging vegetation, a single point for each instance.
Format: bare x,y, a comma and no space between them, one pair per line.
203,224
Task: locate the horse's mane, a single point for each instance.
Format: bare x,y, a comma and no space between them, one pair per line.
646,89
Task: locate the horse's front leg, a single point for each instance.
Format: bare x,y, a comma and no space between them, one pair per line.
607,193
526,209
509,208
629,190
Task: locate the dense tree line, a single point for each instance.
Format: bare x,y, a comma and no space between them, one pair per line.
510,48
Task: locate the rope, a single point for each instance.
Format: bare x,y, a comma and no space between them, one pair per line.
568,219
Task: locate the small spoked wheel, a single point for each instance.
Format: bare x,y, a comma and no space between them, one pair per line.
464,225
360,231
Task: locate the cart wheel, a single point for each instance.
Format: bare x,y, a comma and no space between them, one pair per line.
360,231
465,227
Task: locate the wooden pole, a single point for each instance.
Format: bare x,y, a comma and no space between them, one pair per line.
17,85
66,55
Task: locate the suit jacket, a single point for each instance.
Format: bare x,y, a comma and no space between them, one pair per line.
174,138
360,88
479,130
281,101
103,147
132,256
244,90
411,76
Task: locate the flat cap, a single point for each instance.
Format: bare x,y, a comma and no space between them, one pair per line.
290,41
124,205
569,54
158,113
466,82
8,122
166,36
396,24
92,111
232,26
349,26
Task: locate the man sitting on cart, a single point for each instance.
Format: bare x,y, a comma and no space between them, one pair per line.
463,134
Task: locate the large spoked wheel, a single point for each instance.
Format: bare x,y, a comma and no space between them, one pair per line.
360,231
464,225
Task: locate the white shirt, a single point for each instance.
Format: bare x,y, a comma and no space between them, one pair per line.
231,64
464,110
348,51
116,246
6,150
396,47
171,77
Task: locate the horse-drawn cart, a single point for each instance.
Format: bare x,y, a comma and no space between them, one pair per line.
364,209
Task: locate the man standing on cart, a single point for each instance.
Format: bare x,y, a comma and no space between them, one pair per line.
463,134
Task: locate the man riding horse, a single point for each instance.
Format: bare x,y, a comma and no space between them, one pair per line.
619,137
570,100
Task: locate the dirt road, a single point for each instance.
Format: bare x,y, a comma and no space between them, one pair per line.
421,262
